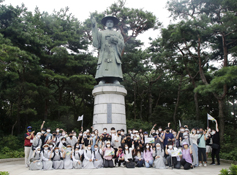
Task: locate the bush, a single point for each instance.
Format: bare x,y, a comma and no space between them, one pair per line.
5,150
232,155
232,171
4,173
139,124
15,154
11,142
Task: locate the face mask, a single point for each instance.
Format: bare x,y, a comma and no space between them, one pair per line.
96,132
70,136
119,134
147,146
194,132
42,132
87,130
51,146
69,149
122,133
170,146
48,130
38,152
182,130
209,130
75,135
96,149
92,135
157,147
63,141
54,135
198,132
57,130
46,148
38,136
160,130
185,137
56,150
80,134
167,130
77,146
145,136
63,134
88,148
88,136
126,147
135,138
130,132
105,131
108,146
213,132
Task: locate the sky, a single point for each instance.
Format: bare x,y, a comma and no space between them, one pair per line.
81,9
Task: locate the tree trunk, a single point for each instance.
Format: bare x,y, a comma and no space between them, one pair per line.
221,118
150,103
177,102
196,105
13,126
134,103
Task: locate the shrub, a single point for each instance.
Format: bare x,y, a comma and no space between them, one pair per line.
15,154
232,171
5,150
10,141
4,173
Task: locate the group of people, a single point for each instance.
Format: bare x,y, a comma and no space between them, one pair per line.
187,148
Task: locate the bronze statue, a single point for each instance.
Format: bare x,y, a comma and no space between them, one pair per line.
110,45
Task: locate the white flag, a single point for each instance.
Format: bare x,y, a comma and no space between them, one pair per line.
209,117
180,124
80,118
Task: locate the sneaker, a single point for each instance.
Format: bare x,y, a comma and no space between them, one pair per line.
212,164
205,164
200,164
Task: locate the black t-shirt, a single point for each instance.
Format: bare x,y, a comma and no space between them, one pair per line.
216,138
105,137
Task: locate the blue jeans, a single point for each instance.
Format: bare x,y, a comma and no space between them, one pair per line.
150,162
195,154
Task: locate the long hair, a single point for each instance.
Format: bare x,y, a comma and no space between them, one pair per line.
148,148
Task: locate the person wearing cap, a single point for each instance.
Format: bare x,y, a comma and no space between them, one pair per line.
29,136
186,160
110,44
108,155
36,160
47,163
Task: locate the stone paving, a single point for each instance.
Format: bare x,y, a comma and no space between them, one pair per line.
18,168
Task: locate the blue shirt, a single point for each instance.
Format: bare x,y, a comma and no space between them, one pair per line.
168,136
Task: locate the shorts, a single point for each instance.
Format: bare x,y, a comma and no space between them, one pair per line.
208,149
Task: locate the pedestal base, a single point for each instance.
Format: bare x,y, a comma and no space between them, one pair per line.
109,107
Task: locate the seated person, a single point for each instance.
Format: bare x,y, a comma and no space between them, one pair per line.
159,157
138,157
119,156
175,160
108,155
148,156
128,154
57,159
88,158
67,157
36,160
98,160
186,161
47,163
76,157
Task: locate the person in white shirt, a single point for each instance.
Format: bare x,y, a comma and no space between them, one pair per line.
193,139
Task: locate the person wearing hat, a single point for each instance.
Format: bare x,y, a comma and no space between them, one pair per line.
29,136
186,161
108,155
110,45
47,163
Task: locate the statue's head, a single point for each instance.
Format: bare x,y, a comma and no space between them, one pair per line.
110,21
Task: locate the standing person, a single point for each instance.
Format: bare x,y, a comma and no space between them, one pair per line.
58,134
108,155
215,145
29,136
193,139
48,135
208,141
186,161
202,148
168,137
116,141
148,156
159,157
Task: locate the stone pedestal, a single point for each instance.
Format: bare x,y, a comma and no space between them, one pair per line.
109,107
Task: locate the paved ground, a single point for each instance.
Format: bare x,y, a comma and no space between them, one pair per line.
18,168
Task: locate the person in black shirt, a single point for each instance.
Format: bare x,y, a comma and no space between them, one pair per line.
215,145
